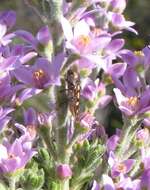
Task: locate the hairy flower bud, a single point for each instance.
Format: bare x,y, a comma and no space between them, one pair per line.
63,171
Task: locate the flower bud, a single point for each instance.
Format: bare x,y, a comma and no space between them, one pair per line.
118,5
63,171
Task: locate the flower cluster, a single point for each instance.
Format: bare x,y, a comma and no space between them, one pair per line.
54,87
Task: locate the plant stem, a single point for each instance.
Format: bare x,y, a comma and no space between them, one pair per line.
128,133
65,185
55,25
12,183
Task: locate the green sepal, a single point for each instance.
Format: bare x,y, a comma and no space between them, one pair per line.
3,186
87,157
44,160
80,129
54,185
15,175
46,50
40,102
44,155
32,179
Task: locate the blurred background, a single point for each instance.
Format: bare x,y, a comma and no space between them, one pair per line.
137,11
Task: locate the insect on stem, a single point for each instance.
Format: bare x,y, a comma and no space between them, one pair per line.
73,91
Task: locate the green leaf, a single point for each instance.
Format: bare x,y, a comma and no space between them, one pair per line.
33,180
3,186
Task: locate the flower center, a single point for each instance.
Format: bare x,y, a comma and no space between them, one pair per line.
96,31
32,130
18,102
11,156
39,74
139,53
133,101
84,40
121,168
40,78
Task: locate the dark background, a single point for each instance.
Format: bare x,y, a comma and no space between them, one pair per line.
138,11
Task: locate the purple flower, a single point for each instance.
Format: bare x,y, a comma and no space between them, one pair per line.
119,22
145,179
125,183
118,5
46,118
129,57
95,91
131,84
87,123
114,47
143,135
110,53
133,105
95,186
89,89
128,184
10,63
119,168
7,90
132,96
146,121
30,117
7,20
139,60
122,168
63,171
108,183
86,120
145,160
114,71
83,42
146,52
112,143
42,44
15,156
23,53
4,118
5,39
42,74
98,131
90,128
29,130
43,37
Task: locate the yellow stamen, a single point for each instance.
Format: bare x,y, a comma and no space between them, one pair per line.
18,102
84,40
133,101
121,168
139,53
39,74
32,130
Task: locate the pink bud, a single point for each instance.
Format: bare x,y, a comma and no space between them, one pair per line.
64,171
118,5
